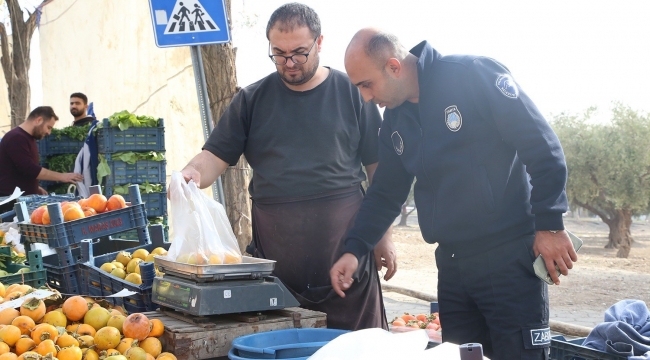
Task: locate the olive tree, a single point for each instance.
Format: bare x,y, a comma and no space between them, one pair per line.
609,168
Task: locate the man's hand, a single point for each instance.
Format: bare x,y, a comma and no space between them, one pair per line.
556,249
386,255
71,178
341,273
190,173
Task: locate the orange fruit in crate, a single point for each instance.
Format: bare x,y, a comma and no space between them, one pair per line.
4,348
34,308
70,353
37,215
10,334
73,213
45,220
68,205
83,202
107,338
23,345
152,346
115,202
88,211
24,323
43,332
97,202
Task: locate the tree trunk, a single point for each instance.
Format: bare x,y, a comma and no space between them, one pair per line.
221,79
619,233
404,216
16,61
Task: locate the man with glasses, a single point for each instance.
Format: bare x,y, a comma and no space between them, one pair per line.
306,132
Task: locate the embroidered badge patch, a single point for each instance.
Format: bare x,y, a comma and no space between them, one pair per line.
453,119
507,86
398,143
540,336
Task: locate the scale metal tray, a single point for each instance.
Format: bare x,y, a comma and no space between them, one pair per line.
249,268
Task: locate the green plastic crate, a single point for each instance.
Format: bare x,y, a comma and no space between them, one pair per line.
35,277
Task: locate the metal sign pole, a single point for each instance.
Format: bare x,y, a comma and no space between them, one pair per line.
206,114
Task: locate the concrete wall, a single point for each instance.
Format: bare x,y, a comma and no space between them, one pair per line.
106,50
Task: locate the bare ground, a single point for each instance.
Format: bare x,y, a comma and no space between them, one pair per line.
598,280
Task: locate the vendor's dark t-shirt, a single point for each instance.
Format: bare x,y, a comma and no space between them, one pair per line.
18,163
299,143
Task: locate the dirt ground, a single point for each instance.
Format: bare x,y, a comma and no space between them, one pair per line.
598,280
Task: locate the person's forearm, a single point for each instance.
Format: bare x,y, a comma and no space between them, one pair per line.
209,166
50,175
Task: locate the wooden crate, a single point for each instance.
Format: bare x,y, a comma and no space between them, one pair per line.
213,337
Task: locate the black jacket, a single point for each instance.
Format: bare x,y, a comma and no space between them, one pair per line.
471,142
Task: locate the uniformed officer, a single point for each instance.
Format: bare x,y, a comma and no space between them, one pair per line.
475,142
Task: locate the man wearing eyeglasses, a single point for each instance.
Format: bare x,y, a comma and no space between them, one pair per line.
306,132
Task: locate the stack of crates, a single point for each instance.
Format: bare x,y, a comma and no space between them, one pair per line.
34,274
112,140
50,146
65,238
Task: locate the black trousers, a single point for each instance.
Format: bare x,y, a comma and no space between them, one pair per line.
495,298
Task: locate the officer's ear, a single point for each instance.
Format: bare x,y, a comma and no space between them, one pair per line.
393,67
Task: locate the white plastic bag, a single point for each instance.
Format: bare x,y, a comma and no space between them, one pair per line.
202,233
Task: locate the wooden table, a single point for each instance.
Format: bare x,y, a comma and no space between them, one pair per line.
203,338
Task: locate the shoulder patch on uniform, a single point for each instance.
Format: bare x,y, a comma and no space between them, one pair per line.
398,143
540,336
506,84
453,119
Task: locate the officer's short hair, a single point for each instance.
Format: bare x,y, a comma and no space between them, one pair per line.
383,46
292,15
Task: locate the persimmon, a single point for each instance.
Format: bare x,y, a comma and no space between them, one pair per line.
83,203
34,308
115,202
107,338
73,213
8,315
422,317
75,307
37,215
46,347
398,322
24,323
8,356
4,348
90,354
10,334
70,353
97,202
136,326
408,317
23,345
66,340
152,346
45,219
157,328
43,332
88,211
67,205
166,356
125,344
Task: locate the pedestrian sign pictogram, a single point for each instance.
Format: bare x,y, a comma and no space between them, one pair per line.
189,22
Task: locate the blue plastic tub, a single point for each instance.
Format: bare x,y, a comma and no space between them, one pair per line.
233,354
283,344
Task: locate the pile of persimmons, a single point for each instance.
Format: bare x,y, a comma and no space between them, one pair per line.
77,329
95,204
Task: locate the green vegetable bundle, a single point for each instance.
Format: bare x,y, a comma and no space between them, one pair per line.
61,163
78,133
124,120
145,188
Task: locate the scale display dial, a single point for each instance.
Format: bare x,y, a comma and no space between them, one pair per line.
172,293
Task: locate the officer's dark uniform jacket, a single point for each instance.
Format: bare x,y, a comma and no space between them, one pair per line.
471,142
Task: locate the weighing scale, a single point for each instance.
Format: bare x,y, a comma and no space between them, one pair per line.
204,290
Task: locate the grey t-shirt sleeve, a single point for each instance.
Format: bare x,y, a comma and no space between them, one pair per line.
369,124
228,139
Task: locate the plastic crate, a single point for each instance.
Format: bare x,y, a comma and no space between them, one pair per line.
63,267
133,234
49,146
72,232
35,277
101,283
142,171
34,201
155,204
562,349
111,139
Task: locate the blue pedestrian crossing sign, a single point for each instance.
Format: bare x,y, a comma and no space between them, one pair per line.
189,22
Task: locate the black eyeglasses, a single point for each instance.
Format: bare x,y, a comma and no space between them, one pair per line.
296,58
